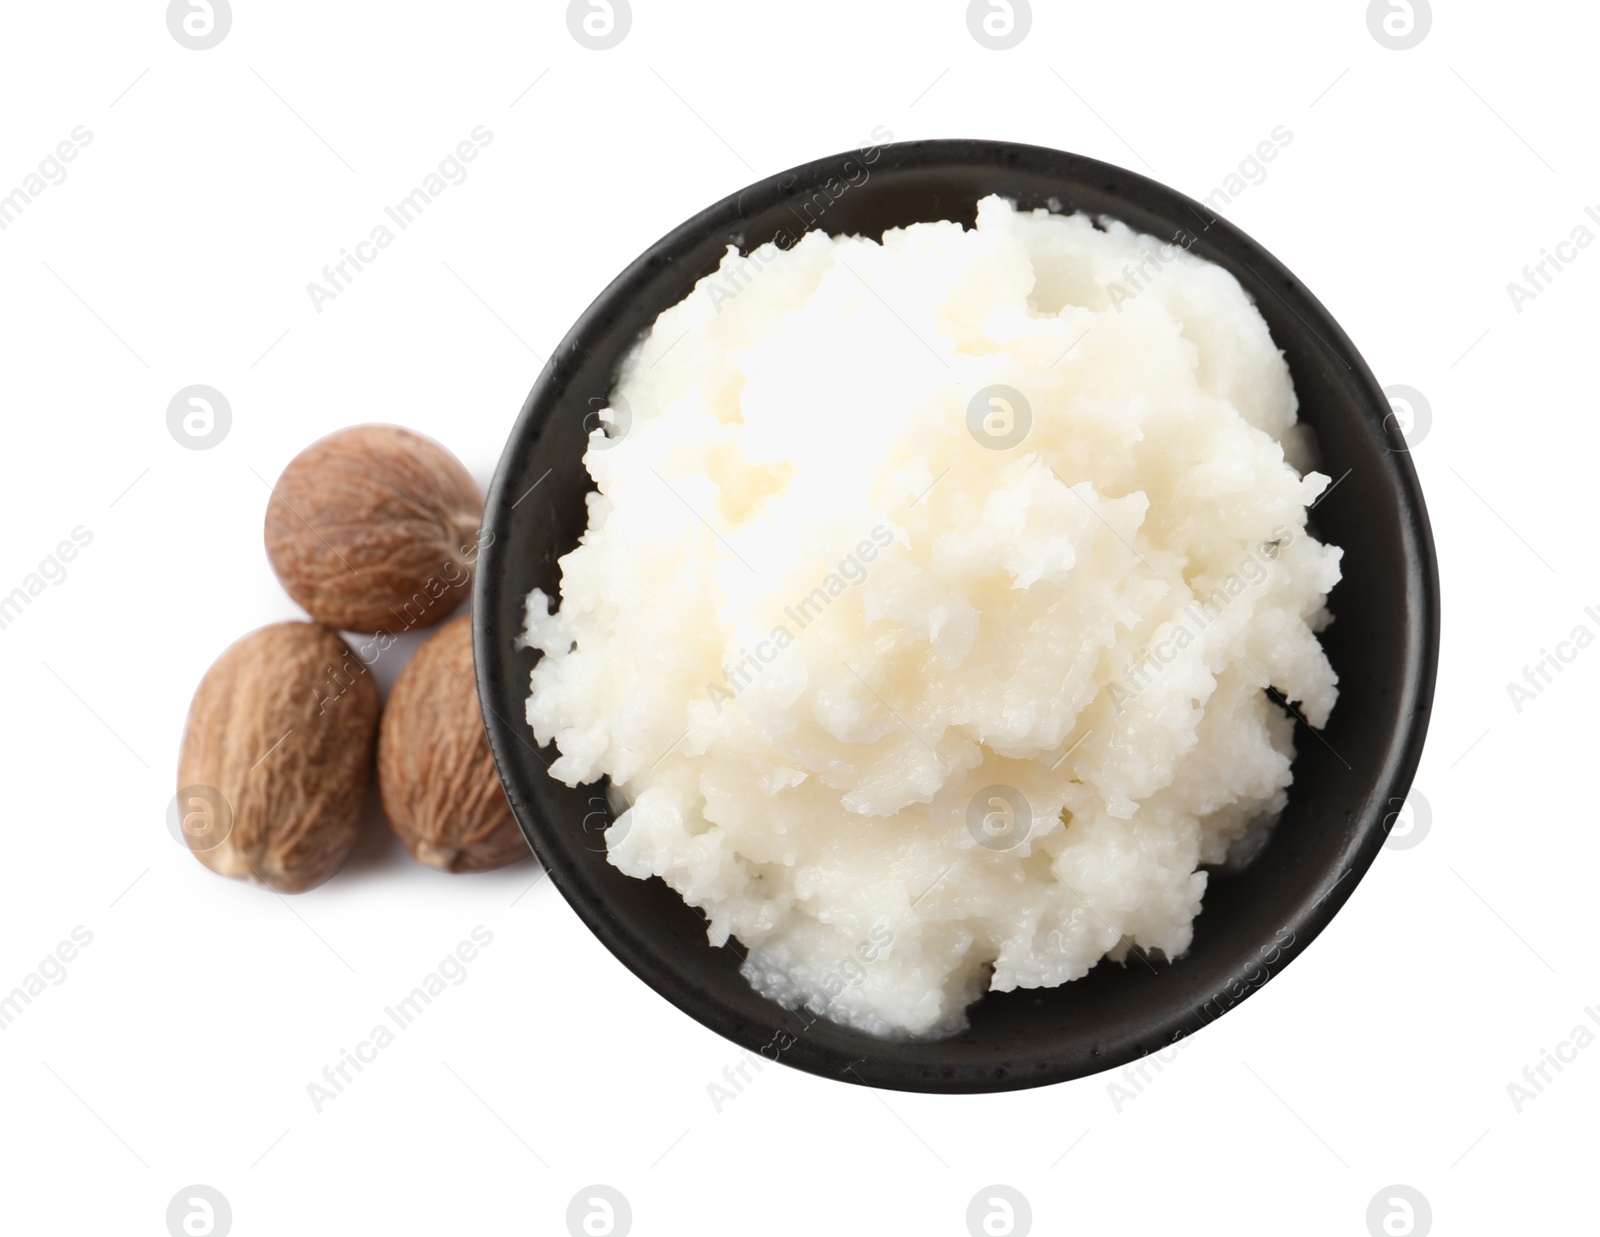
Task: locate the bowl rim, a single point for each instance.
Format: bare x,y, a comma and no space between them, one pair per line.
1185,1015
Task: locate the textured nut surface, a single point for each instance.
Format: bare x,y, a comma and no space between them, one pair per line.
437,777
283,726
375,528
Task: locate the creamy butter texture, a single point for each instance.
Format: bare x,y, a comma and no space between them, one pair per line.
927,605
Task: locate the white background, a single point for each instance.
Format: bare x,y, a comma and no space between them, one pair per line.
218,183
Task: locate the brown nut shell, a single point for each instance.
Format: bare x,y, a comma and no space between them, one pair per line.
279,743
375,528
438,780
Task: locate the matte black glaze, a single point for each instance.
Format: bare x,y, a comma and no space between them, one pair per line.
1348,783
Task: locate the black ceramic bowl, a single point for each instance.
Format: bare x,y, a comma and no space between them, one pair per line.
1348,783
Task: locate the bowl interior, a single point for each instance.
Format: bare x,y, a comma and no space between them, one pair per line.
1349,779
